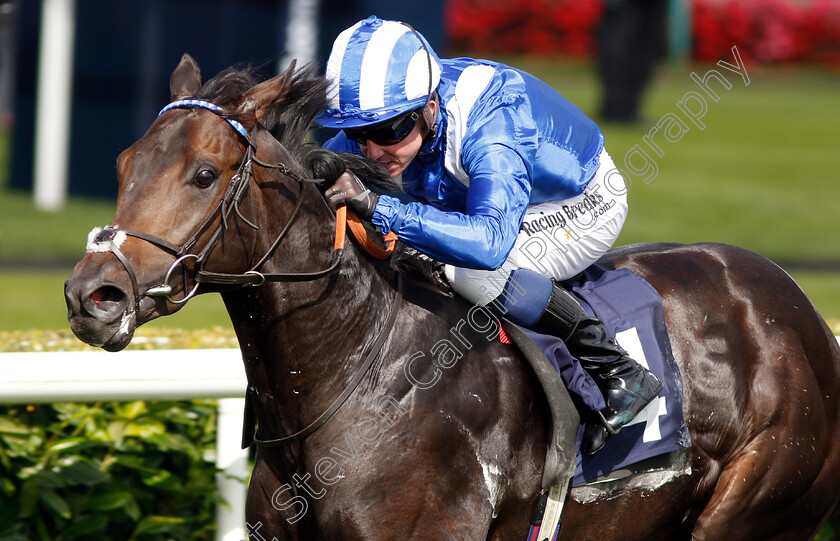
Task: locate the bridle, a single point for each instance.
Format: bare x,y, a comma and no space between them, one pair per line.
106,239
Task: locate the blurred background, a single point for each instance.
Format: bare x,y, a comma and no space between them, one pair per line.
723,114
81,80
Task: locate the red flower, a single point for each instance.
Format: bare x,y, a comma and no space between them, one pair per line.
772,31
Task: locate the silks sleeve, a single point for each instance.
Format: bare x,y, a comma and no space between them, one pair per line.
483,235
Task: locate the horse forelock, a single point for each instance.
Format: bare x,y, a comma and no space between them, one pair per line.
228,86
291,117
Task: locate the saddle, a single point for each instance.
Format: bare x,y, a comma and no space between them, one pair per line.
632,312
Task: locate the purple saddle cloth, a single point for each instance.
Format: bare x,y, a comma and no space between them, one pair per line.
631,310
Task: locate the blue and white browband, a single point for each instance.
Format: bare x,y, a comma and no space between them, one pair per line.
182,104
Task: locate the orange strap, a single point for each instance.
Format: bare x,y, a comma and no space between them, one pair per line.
340,227
343,214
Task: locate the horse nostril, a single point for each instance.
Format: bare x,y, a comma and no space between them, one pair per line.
107,294
105,302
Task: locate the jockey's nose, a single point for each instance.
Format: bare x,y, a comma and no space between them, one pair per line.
374,151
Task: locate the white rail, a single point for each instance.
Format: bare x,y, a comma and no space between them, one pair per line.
30,378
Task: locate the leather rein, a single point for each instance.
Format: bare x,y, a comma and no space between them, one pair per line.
110,239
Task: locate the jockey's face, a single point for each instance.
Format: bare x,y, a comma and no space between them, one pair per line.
398,156
395,157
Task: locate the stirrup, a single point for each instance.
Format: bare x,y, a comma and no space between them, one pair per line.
611,432
546,520
596,432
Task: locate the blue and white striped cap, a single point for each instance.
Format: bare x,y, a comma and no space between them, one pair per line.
378,70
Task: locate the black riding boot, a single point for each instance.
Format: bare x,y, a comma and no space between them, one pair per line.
627,386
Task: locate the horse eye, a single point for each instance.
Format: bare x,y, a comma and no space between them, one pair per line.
205,177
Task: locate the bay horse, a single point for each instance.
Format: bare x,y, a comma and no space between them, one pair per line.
447,443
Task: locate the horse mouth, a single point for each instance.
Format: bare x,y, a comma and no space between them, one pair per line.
100,316
125,332
113,337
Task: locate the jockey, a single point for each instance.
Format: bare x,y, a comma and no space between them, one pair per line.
504,180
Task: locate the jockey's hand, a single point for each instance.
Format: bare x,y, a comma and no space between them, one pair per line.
349,190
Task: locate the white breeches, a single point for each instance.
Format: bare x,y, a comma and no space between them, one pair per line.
558,238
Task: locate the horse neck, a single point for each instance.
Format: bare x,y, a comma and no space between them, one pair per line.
303,341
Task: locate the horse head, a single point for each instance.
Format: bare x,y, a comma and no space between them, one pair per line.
191,200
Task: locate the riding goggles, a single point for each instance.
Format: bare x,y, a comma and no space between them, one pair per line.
385,133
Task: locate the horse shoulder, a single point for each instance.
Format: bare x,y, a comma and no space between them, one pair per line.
471,403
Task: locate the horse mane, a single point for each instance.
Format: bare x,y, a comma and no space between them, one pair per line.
290,118
290,121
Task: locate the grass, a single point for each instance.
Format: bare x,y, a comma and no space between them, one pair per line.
4,158
823,288
33,242
761,174
34,299
29,234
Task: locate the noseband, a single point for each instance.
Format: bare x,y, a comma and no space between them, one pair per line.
111,238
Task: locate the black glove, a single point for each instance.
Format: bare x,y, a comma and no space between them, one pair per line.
349,190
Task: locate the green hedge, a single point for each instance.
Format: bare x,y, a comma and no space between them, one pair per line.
108,471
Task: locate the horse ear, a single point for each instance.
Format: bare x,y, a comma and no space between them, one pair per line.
259,100
186,79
